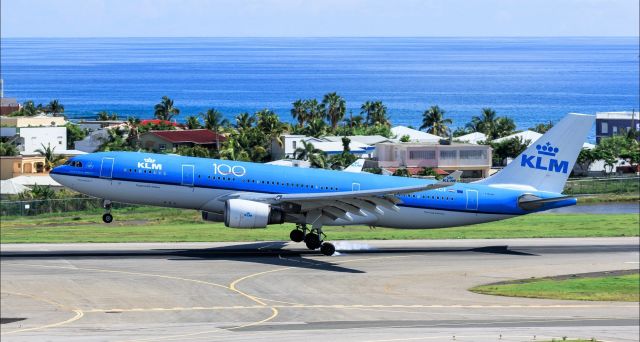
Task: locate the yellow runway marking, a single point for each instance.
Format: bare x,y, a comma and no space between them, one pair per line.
79,313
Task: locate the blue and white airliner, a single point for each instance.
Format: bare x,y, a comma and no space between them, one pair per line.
251,195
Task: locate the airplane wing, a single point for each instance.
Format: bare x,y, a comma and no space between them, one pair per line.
337,204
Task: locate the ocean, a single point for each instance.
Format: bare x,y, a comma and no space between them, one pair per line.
532,80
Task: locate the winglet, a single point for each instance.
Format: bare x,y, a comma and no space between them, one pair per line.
355,167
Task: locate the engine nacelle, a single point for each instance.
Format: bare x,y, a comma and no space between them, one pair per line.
239,213
210,216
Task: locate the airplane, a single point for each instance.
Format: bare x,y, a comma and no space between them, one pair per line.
253,195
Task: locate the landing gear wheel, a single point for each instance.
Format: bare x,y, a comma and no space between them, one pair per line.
107,218
296,235
328,249
312,240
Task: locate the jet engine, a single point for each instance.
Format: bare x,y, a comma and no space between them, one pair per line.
239,213
211,216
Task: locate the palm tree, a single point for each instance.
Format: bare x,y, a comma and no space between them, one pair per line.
305,151
8,149
270,125
54,107
503,126
318,160
376,113
485,123
316,128
213,120
105,116
354,121
165,109
245,121
51,159
193,122
335,107
299,112
434,122
314,109
132,136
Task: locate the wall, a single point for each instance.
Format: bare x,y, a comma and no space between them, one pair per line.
33,138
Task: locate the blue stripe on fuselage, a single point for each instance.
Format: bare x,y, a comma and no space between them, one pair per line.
265,178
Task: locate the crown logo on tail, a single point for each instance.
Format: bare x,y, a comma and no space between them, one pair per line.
547,149
149,160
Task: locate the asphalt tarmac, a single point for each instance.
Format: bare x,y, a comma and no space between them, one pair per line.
371,291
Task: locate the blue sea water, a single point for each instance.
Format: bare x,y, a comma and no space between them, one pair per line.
530,79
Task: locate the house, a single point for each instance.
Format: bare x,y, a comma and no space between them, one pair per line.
614,123
31,133
169,141
8,105
14,166
414,135
359,145
473,160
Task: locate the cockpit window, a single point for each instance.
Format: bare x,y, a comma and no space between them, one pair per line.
73,163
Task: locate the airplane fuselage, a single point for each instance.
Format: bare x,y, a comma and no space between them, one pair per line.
199,183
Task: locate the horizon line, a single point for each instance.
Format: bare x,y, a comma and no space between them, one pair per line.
307,37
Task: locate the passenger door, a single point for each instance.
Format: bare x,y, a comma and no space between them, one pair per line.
106,168
472,199
187,175
355,187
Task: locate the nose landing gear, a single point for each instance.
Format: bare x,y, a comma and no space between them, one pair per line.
313,238
107,217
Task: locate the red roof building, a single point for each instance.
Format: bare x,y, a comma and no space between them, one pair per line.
163,141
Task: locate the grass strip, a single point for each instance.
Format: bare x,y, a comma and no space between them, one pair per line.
621,288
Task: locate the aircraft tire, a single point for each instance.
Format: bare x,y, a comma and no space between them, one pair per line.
312,240
328,249
107,218
296,235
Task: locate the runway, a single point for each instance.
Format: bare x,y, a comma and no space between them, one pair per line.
371,291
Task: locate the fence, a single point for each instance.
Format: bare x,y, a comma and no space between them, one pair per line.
618,185
39,207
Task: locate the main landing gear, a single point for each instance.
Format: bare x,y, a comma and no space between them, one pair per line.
107,217
313,238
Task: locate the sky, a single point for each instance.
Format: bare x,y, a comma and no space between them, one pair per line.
318,18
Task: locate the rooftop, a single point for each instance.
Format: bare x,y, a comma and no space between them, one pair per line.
618,115
414,134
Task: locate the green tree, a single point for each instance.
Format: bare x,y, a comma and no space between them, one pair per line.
542,128
504,126
299,112
193,122
611,149
74,133
54,107
405,138
402,172
434,122
214,120
376,113
316,128
270,125
509,148
484,123
195,151
335,108
245,121
314,109
39,192
305,151
28,109
105,116
51,159
586,157
7,149
165,110
427,172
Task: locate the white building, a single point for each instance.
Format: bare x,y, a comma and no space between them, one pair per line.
361,146
415,135
472,138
